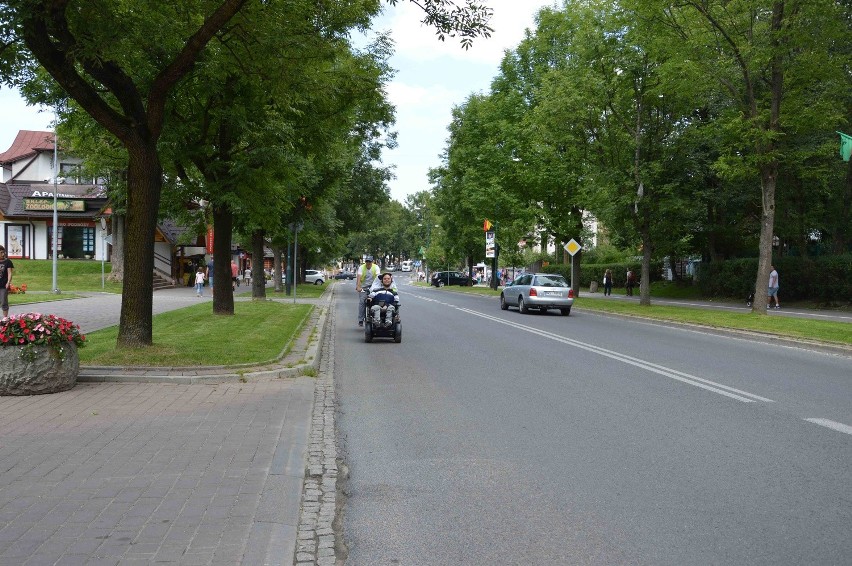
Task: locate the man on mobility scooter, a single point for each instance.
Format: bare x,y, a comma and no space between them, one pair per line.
382,310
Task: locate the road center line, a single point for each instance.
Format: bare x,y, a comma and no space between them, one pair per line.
689,379
833,425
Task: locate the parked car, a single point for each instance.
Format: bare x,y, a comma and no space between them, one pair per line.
540,291
345,275
314,276
441,278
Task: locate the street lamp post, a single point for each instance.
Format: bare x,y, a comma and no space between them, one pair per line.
55,211
428,243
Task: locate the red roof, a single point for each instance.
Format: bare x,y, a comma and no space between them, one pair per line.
27,143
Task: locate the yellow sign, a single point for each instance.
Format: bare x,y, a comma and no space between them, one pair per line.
572,247
62,205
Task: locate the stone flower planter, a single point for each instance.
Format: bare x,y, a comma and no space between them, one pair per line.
45,372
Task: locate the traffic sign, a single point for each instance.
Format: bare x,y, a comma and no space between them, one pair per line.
572,247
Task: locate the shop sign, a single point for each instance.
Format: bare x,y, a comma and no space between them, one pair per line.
62,205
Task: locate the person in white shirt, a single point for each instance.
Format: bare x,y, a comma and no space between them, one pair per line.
773,289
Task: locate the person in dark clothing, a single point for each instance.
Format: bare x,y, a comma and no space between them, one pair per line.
6,267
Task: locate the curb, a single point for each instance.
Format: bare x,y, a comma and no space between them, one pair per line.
305,348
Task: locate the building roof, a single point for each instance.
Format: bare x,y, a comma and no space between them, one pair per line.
27,143
12,199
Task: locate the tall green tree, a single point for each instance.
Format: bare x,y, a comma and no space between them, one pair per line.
757,52
121,64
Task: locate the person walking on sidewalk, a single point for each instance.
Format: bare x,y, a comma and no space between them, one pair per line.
6,267
210,273
199,282
631,282
607,282
773,289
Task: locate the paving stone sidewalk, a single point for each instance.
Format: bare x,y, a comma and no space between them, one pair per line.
120,470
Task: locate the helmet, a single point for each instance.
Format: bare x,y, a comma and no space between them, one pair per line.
368,258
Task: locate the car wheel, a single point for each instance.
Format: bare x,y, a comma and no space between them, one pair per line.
503,304
566,311
440,283
318,282
522,307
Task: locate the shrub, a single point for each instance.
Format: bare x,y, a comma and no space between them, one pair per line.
823,279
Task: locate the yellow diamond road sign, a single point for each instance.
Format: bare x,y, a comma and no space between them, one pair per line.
572,247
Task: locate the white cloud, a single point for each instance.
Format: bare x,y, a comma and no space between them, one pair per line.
15,115
433,76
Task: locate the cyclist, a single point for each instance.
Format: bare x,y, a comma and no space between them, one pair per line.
366,274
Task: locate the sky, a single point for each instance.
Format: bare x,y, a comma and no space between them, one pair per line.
432,77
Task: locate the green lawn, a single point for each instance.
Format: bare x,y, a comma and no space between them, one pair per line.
71,275
193,336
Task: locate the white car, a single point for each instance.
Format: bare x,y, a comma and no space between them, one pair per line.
314,276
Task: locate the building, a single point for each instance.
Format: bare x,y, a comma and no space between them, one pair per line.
27,202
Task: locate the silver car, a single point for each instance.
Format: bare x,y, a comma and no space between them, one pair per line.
314,276
540,291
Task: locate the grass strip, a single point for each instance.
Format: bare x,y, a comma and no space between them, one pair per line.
194,336
784,326
790,327
71,275
28,298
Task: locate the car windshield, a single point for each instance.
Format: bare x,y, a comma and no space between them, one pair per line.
550,281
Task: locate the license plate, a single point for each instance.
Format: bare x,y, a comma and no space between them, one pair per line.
553,293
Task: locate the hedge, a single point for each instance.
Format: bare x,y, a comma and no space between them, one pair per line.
824,279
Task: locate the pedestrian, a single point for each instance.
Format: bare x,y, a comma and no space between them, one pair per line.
631,282
199,282
773,288
210,273
6,267
367,273
234,273
607,281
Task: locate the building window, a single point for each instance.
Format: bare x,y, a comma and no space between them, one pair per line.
89,241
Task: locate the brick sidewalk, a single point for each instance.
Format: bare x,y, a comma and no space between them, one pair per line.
179,471
124,473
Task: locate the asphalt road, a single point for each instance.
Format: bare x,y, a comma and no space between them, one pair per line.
491,437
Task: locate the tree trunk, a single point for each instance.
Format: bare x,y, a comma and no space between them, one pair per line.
576,262
276,270
768,178
223,293
769,170
645,280
258,276
145,178
117,256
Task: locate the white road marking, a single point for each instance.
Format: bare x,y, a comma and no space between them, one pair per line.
721,389
833,425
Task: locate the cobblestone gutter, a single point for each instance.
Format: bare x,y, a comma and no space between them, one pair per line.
317,543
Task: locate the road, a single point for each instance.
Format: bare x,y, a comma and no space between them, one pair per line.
490,437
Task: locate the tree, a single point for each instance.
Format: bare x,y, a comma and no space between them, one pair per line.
756,51
122,66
